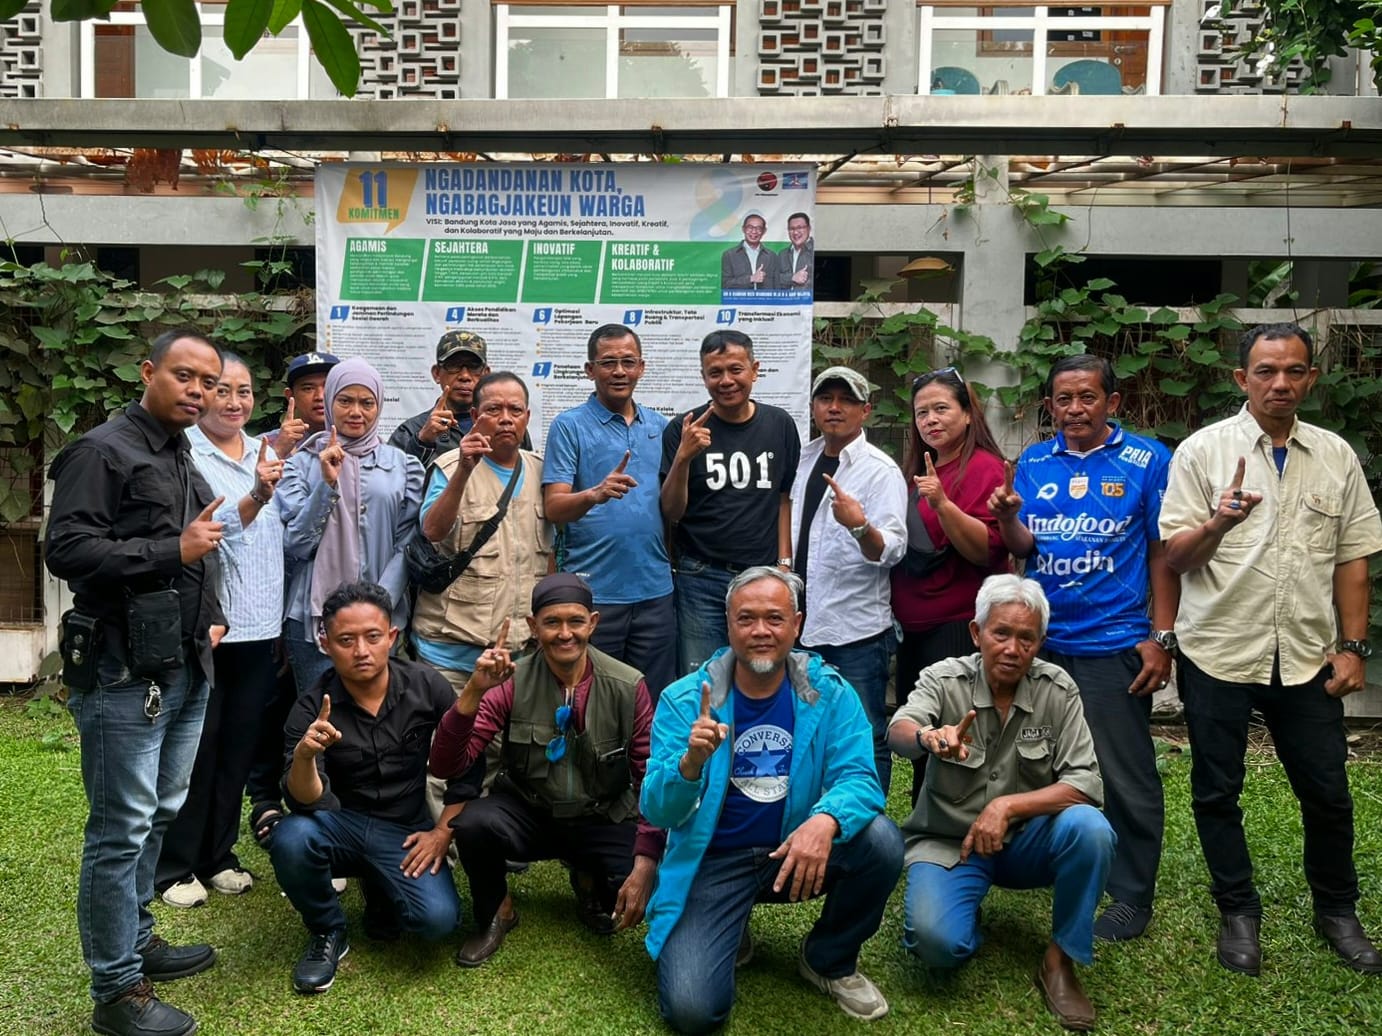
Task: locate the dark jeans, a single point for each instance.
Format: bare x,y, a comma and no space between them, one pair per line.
308,848
306,659
920,648
1133,803
864,664
501,826
695,970
1308,730
265,780
643,635
201,840
701,626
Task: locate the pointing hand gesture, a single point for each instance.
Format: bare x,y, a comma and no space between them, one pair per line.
439,422
291,431
949,742
706,736
202,535
695,436
474,445
929,485
495,665
1235,504
321,735
846,509
332,457
616,483
267,472
1004,501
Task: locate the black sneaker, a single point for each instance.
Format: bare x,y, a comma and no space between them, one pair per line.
164,962
1121,922
316,968
138,1012
589,907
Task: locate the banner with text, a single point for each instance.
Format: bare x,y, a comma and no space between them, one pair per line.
535,257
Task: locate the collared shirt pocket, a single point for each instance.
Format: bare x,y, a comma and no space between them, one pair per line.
1320,514
956,780
1034,763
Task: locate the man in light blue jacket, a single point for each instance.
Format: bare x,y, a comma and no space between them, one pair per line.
790,808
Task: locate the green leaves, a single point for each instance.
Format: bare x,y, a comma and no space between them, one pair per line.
10,8
333,45
175,25
79,10
284,11
246,21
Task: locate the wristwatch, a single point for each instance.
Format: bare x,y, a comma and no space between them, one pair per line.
1165,639
1361,648
861,531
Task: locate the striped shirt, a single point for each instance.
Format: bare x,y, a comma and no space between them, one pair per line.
251,590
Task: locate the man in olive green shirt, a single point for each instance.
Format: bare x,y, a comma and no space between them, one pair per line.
1011,797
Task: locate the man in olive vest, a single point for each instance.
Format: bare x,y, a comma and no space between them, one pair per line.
576,724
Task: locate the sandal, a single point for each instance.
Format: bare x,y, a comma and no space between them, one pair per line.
263,819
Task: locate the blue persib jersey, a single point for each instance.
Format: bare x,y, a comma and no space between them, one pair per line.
1093,517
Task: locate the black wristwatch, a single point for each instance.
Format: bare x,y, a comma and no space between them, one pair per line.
1361,648
1165,639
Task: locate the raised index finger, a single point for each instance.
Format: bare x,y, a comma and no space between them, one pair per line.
210,509
1238,473
700,421
288,414
705,700
1007,477
834,486
619,468
964,723
332,440
930,467
441,403
504,632
324,713
263,449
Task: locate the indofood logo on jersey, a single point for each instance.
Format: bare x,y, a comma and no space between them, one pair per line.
1067,528
761,761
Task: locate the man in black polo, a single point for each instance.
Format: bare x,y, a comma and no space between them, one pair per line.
130,530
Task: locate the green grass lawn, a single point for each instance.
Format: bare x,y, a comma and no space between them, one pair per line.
554,977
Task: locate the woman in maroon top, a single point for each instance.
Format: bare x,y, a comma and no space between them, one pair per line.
953,464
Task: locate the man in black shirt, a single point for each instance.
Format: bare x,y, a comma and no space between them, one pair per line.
727,470
355,779
131,524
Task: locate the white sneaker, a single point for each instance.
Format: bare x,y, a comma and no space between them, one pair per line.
340,885
186,894
232,881
857,996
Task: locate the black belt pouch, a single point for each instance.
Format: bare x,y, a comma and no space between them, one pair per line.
155,632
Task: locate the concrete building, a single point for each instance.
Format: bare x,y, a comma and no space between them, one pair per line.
1178,160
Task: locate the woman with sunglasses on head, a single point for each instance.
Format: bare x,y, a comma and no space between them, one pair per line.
199,847
953,463
349,503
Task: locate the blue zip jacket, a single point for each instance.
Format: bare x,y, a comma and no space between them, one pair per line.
832,771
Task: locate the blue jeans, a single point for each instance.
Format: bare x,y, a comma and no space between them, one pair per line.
135,772
1070,851
304,657
864,665
308,848
695,970
701,626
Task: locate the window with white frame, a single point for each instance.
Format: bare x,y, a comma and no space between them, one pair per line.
1011,46
612,50
119,58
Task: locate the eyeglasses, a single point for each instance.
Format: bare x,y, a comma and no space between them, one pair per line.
458,366
953,373
618,363
565,716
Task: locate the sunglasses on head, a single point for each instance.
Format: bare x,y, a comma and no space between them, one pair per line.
565,716
953,373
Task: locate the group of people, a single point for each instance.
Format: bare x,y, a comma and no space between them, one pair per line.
752,266
662,655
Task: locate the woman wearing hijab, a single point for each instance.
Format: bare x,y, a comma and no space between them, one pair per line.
349,503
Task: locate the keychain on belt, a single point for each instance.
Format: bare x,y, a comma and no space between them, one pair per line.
153,701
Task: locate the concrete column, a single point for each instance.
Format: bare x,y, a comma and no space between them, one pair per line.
477,50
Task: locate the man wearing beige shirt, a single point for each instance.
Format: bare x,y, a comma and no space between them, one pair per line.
1270,523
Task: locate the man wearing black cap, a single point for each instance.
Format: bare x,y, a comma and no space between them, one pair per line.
306,394
576,725
462,360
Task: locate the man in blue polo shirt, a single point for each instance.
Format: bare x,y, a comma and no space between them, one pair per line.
1083,509
600,483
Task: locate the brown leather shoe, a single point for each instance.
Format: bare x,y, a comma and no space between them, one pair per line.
481,946
1346,935
1065,997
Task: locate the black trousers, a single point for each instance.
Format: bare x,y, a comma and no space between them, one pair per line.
1133,802
265,780
1308,730
501,826
918,650
201,840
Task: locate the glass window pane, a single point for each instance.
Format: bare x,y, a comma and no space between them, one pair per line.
268,72
156,72
667,63
961,65
556,62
